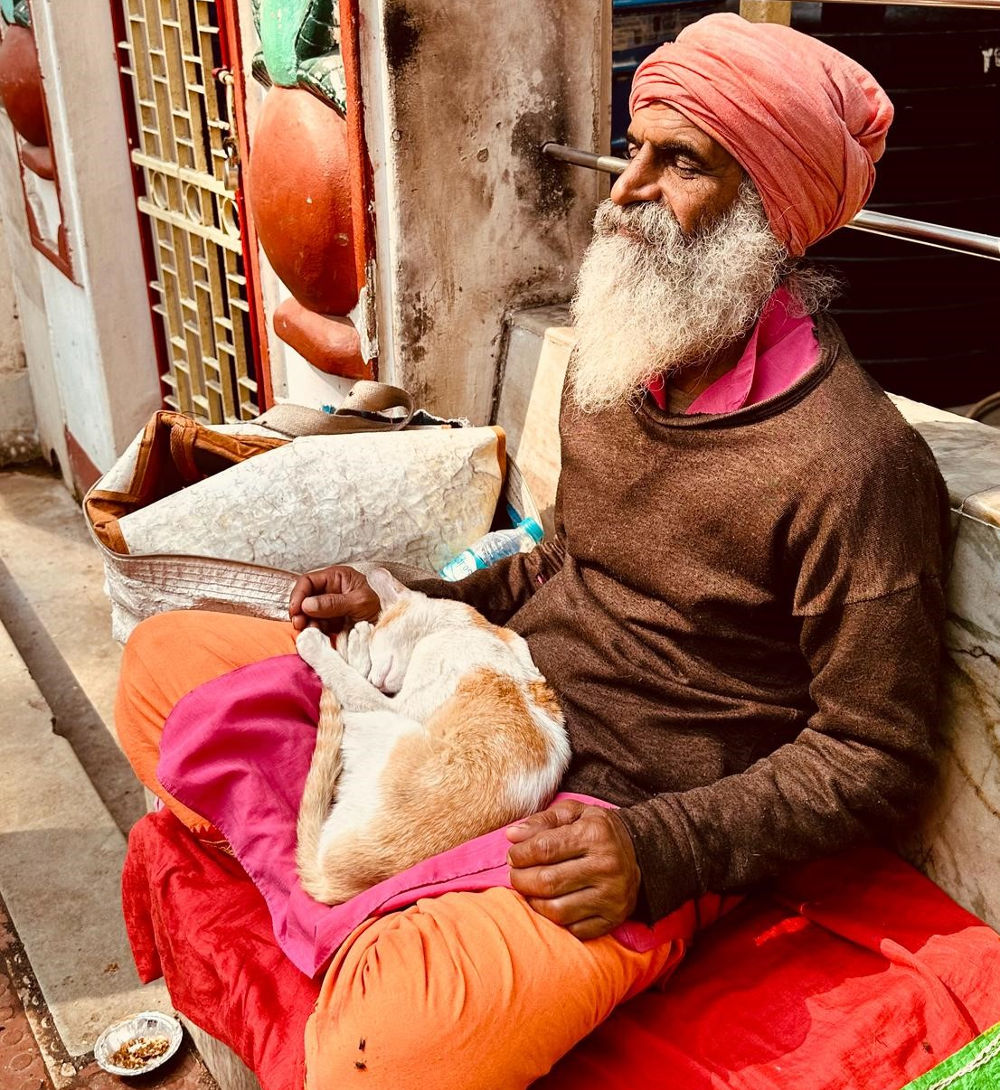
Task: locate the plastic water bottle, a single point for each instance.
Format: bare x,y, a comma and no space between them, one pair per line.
491,548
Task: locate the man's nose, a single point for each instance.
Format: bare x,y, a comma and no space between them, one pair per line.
639,182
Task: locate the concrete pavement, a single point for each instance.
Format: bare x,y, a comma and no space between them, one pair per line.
67,799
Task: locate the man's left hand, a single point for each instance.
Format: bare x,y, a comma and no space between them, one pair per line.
575,865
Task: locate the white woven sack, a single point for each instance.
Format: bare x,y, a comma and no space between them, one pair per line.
235,541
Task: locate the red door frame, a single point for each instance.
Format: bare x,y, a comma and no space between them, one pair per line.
362,180
231,49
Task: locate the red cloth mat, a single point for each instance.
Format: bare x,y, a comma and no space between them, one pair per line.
856,972
195,918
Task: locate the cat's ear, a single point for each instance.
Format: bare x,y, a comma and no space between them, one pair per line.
388,588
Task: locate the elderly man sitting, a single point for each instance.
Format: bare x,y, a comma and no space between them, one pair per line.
739,611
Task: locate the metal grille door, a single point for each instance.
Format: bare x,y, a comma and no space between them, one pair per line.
185,150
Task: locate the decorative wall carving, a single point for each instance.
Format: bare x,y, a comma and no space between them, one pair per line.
299,181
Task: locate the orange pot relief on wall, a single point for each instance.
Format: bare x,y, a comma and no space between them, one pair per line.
299,184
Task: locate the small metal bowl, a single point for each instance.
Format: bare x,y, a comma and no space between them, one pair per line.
147,1024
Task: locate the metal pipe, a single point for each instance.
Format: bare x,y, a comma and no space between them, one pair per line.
986,4
876,223
610,164
928,234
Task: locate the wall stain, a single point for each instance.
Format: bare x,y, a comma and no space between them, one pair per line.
540,181
423,322
402,35
418,326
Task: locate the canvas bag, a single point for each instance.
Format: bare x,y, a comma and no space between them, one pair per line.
225,517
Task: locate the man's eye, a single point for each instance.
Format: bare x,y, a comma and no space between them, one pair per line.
687,171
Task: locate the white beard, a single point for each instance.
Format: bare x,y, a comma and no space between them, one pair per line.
655,301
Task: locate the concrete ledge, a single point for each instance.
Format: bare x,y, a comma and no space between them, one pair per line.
226,1067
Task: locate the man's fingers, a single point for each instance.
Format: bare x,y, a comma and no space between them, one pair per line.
579,912
332,606
304,586
565,911
527,828
553,882
582,875
547,847
593,927
323,605
331,595
561,813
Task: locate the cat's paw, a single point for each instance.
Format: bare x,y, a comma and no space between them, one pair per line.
358,649
313,647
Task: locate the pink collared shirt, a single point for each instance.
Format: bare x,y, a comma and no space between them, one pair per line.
780,351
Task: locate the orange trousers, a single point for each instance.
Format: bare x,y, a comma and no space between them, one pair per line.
467,990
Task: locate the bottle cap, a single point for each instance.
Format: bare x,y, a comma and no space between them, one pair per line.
531,527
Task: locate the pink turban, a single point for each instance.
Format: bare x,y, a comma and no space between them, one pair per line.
805,122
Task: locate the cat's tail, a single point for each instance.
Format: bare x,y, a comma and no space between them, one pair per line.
318,793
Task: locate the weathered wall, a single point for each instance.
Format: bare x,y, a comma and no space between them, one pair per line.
471,219
11,347
18,436
27,287
88,340
108,380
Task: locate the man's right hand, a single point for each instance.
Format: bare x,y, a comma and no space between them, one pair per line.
329,598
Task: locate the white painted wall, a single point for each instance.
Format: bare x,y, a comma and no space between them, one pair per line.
103,349
18,436
26,285
471,221
11,346
89,343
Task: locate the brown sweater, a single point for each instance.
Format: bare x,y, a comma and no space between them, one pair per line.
741,616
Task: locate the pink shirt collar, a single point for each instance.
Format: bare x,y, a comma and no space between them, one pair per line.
780,351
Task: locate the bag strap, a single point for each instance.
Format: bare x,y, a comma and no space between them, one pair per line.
365,408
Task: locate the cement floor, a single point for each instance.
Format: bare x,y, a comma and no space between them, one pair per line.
23,1063
67,800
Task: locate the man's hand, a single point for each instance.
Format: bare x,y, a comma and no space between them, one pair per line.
330,597
575,865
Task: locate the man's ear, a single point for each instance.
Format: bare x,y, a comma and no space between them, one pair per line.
388,588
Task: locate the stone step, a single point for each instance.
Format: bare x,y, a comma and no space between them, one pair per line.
53,605
61,855
47,549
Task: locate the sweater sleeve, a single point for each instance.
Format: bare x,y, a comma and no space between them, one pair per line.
857,768
499,591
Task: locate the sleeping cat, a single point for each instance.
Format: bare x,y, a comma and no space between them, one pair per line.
435,727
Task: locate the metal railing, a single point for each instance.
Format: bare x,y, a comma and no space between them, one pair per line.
918,3
876,223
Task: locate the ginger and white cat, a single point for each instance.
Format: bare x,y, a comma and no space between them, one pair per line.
435,727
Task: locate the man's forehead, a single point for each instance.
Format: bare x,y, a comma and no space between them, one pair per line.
660,123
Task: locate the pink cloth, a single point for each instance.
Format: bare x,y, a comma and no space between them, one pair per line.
237,749
806,122
780,351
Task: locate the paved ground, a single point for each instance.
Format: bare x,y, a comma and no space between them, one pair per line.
23,1061
67,800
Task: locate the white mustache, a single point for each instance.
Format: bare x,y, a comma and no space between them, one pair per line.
654,224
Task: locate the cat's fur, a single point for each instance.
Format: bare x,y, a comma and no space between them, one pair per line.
435,727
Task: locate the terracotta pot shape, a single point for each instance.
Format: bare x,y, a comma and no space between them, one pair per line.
21,85
329,343
298,186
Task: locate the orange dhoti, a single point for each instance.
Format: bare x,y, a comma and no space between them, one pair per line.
469,990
